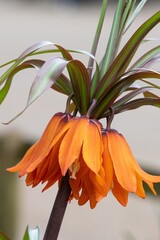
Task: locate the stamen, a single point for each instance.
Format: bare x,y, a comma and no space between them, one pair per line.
74,168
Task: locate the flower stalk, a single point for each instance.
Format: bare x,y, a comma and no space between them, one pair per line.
58,210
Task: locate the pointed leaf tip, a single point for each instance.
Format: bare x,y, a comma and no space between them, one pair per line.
34,48
46,77
32,234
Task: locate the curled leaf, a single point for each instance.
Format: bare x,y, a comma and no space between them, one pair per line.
48,74
37,64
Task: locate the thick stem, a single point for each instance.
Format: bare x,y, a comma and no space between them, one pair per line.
58,210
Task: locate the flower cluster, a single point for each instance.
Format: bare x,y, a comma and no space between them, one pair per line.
97,160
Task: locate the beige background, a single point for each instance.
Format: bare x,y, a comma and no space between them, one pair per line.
22,25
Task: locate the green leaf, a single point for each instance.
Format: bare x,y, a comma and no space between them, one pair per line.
115,35
80,84
148,57
151,84
120,87
97,36
123,59
32,234
95,81
148,94
130,96
3,236
134,14
22,56
46,77
134,104
27,64
63,85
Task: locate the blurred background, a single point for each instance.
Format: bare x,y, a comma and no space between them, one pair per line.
71,24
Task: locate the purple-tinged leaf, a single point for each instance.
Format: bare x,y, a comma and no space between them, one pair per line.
134,104
37,64
134,15
120,87
34,48
147,57
81,85
123,59
130,96
63,85
46,77
148,94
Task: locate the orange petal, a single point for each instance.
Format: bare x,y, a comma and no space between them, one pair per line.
83,170
140,190
92,147
145,176
98,181
24,163
30,177
75,186
44,145
53,163
120,193
122,161
107,162
89,187
57,176
151,187
83,198
72,143
41,172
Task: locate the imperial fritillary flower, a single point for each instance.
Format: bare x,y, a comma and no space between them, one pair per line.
97,161
123,174
40,162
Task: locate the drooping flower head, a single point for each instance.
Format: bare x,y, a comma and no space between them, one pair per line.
96,157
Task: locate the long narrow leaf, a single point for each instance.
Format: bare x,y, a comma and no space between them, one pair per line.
46,77
135,14
63,85
113,42
28,64
80,84
97,36
146,58
148,94
118,89
122,61
134,104
130,96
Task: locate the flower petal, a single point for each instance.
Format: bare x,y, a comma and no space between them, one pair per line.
122,161
92,147
120,193
150,185
44,145
140,190
107,162
145,176
21,166
72,143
